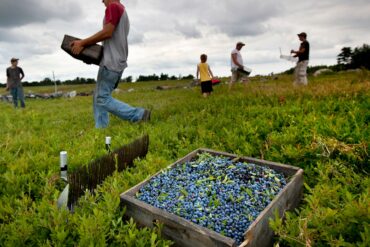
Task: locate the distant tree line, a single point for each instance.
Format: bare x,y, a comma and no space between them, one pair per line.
80,80
163,77
49,82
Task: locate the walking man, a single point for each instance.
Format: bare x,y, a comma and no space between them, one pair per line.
303,54
237,67
114,34
14,76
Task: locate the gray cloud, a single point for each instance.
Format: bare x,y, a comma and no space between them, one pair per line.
187,29
12,36
167,36
233,17
17,13
135,37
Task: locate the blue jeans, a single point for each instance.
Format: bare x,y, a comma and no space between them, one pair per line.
104,103
17,94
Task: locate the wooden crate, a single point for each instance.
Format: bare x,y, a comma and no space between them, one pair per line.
91,54
186,233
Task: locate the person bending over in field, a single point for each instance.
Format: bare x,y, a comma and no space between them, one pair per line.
114,34
206,76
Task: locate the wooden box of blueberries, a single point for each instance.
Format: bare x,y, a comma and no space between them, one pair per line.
211,198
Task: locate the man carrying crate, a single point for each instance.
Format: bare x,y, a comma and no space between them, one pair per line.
115,30
238,71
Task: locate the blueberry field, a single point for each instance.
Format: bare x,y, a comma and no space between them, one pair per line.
322,128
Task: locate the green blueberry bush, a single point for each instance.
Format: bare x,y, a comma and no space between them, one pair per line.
322,128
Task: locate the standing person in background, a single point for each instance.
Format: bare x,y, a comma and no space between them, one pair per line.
114,34
303,54
206,76
14,76
237,66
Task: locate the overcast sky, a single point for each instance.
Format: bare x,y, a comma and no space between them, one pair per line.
168,36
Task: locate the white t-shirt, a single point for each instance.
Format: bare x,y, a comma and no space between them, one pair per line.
238,58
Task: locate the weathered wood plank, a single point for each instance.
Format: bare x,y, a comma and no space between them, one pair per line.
259,233
183,232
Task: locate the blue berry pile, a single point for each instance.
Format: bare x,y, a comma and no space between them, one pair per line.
215,192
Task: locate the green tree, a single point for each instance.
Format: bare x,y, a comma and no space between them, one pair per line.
163,77
361,57
127,79
345,57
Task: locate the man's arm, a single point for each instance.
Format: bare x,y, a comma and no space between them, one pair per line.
7,80
105,33
301,50
234,57
22,73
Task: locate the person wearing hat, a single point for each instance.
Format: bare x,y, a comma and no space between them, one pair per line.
237,66
14,76
303,54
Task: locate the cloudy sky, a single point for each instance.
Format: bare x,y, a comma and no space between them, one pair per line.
167,36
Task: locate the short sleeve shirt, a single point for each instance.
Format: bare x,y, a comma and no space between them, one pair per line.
306,55
14,76
238,58
116,48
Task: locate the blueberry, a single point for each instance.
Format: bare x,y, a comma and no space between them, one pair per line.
214,192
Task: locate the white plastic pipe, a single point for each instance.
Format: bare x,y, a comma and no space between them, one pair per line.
108,140
63,165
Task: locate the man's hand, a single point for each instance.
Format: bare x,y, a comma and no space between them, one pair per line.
77,47
292,51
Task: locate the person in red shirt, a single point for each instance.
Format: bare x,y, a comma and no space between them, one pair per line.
114,35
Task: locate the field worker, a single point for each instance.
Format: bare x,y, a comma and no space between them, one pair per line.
303,54
14,76
237,66
114,33
206,76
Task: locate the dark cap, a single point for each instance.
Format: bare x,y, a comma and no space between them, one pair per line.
14,59
240,43
302,34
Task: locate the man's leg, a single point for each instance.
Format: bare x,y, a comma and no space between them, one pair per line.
245,79
21,96
104,100
300,73
233,79
303,73
296,74
14,94
101,116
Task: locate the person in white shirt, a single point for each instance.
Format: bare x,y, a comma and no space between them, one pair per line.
237,67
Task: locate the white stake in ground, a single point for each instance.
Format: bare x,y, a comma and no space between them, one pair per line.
108,140
63,198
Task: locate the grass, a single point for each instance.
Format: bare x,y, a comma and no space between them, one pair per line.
322,128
